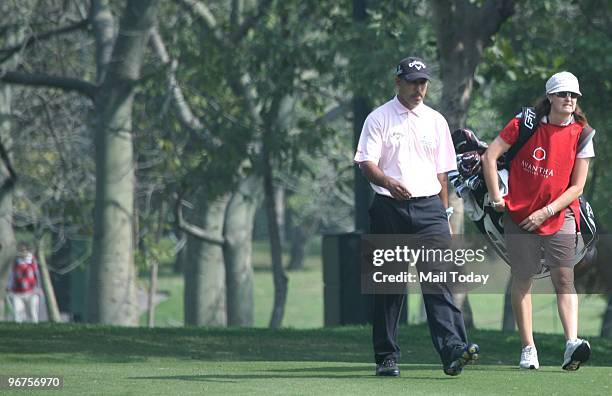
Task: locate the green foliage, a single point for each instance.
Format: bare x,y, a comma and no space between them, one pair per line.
181,158
324,61
392,31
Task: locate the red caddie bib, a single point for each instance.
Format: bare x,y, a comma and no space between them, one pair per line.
541,171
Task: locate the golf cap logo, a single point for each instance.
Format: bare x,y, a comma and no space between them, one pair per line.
539,154
417,64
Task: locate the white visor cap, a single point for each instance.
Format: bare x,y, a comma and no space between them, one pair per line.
562,82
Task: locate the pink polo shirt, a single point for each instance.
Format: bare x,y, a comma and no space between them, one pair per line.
411,146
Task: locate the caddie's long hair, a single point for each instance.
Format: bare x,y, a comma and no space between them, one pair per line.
542,108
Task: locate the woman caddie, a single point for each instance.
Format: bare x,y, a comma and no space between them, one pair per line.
547,176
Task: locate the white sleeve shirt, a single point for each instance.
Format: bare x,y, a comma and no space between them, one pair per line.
587,152
411,146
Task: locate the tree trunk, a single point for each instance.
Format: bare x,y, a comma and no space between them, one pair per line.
300,236
151,294
112,288
205,290
179,259
508,322
468,314
363,192
361,109
606,326
154,266
238,233
279,204
7,235
278,272
463,30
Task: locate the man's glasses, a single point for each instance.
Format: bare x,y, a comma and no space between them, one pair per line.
566,94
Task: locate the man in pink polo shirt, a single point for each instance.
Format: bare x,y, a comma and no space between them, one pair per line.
405,150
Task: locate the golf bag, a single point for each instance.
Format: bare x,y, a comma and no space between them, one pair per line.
468,182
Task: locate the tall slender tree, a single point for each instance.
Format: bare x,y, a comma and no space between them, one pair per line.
7,175
112,287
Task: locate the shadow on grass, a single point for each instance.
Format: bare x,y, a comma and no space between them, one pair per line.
366,368
61,342
239,377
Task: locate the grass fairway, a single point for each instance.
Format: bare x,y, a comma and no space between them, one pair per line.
179,361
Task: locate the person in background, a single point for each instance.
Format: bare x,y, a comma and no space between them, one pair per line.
23,288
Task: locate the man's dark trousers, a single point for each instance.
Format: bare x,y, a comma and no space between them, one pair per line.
424,217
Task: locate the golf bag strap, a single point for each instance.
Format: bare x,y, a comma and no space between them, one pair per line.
527,126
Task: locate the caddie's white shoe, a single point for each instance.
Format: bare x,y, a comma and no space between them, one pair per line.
529,358
576,352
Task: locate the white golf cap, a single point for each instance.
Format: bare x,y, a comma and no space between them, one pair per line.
562,82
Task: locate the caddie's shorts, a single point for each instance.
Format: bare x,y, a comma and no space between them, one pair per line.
528,252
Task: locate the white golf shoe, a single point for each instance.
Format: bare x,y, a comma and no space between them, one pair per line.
529,358
576,352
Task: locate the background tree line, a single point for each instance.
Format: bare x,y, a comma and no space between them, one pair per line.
130,121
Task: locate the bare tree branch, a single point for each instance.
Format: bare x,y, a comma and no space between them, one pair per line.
193,230
201,11
184,111
58,146
103,24
9,51
241,87
185,115
45,80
